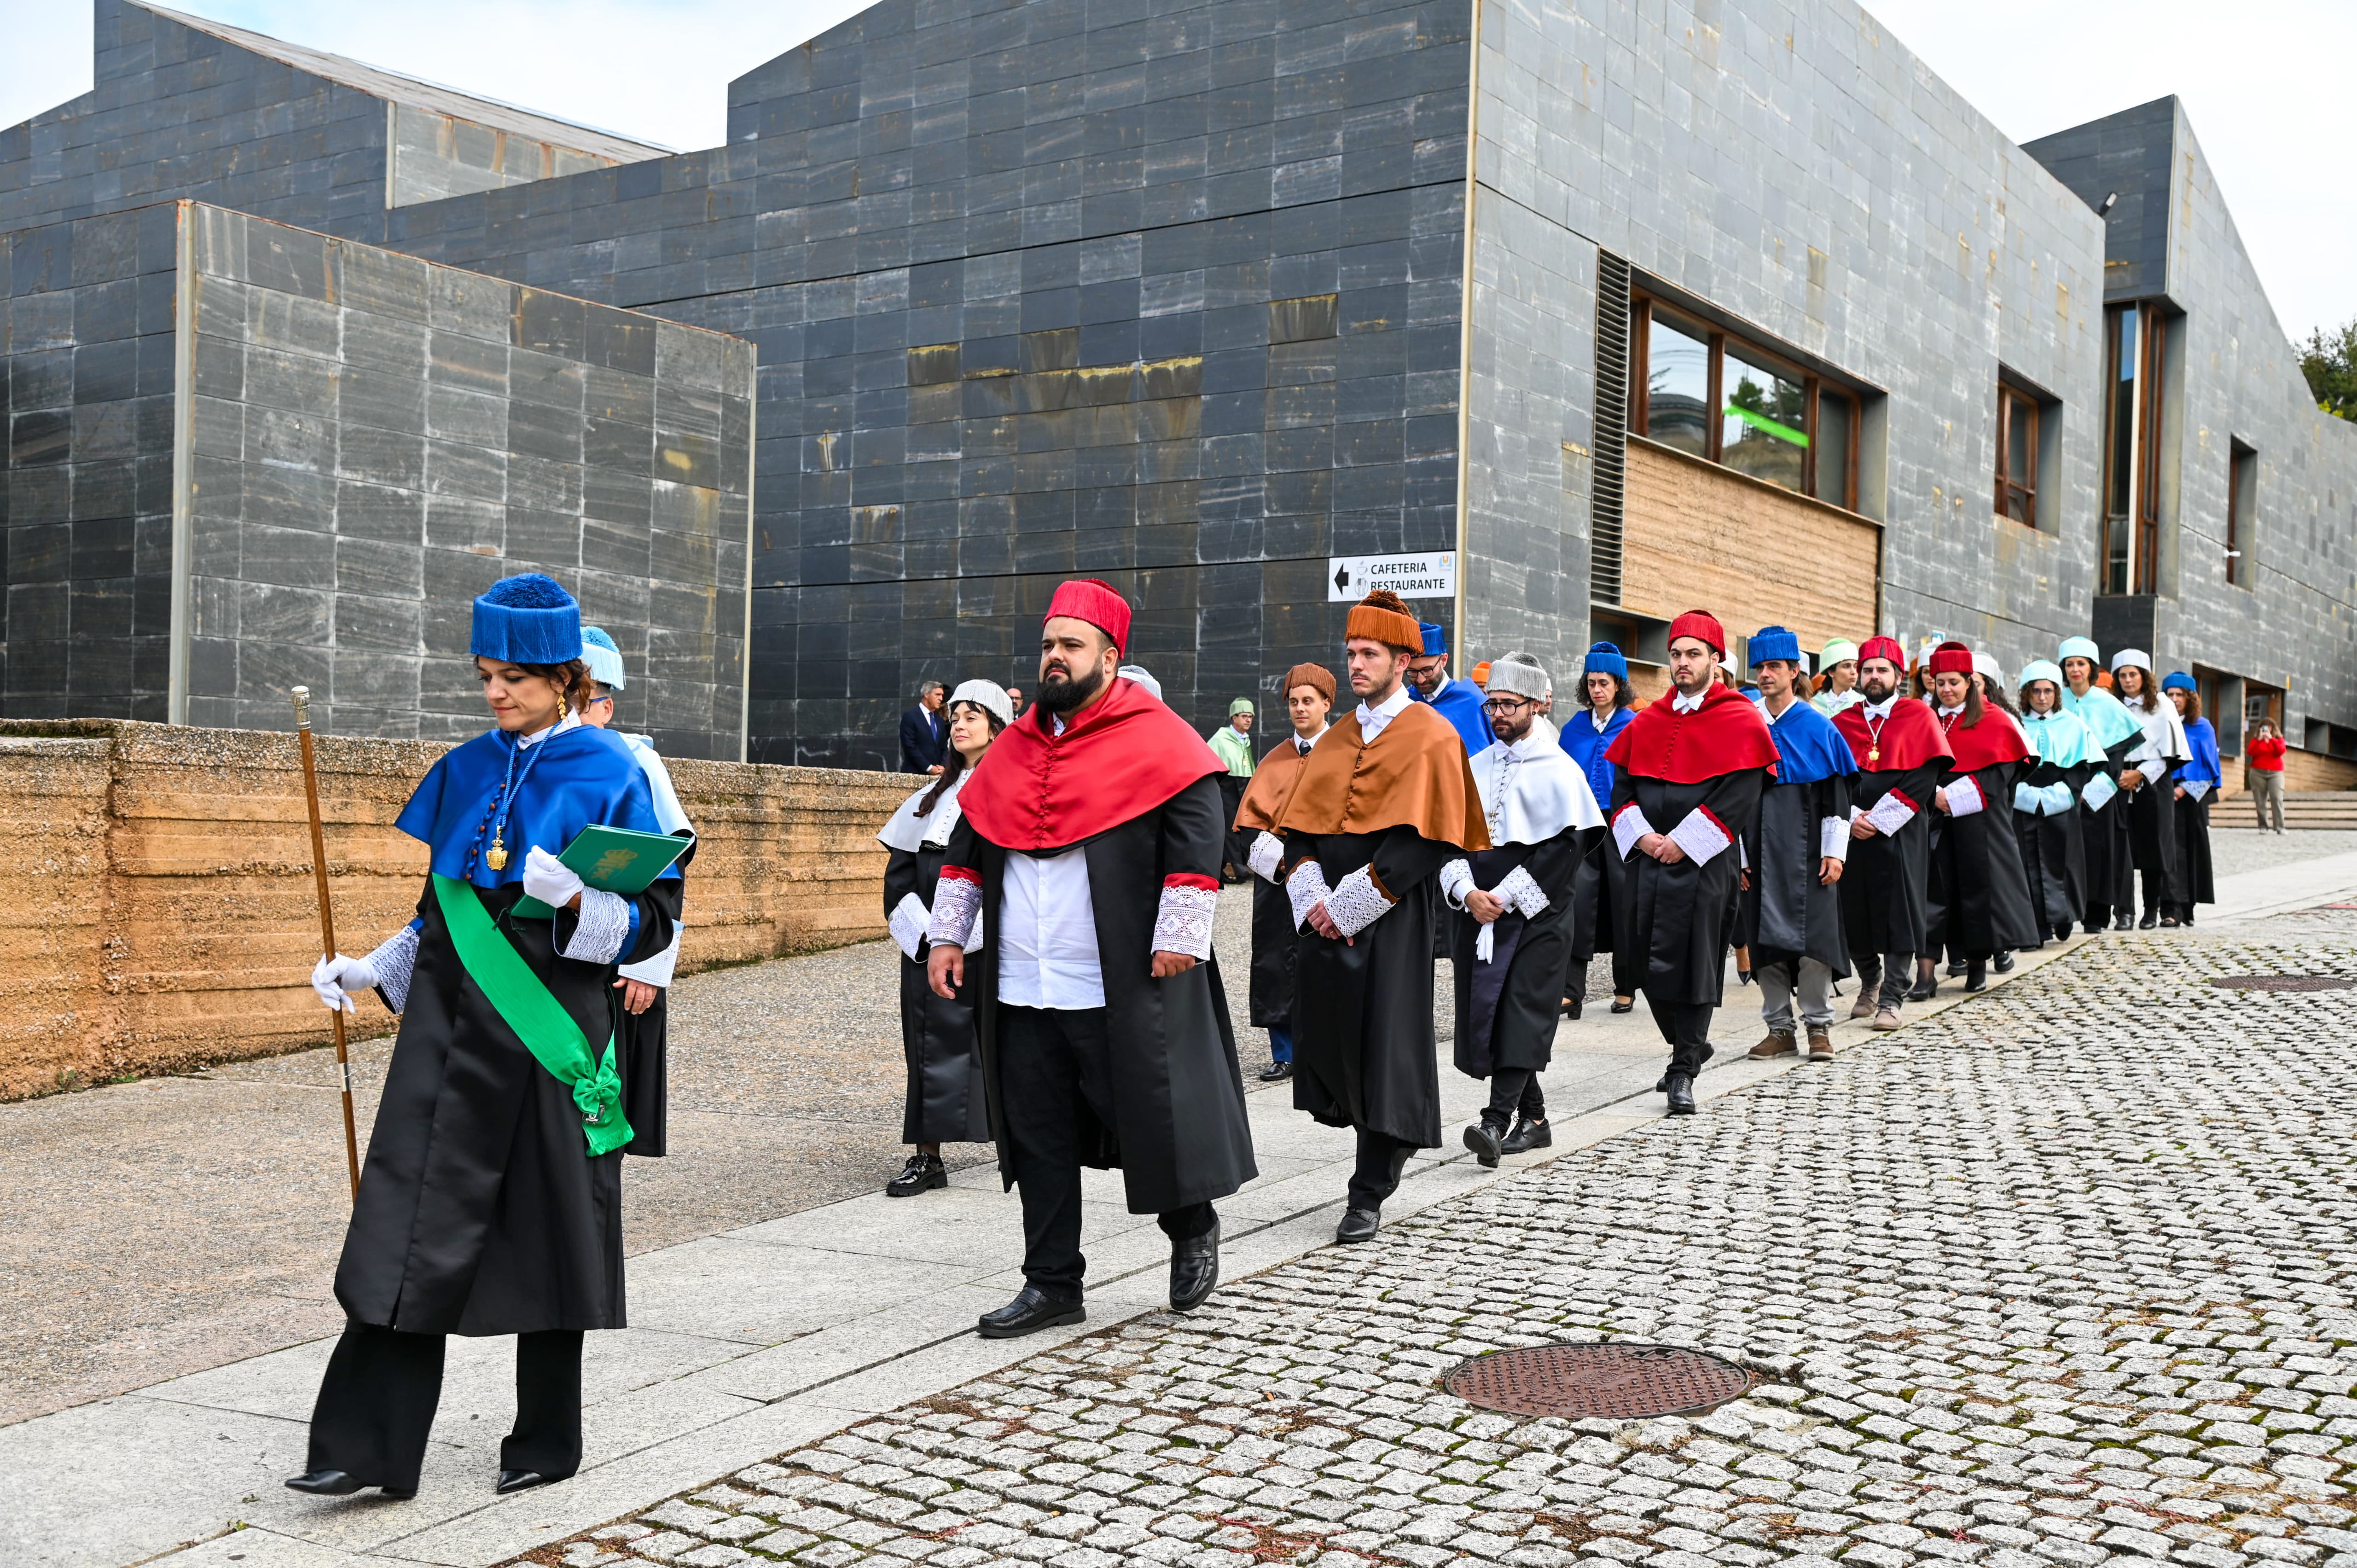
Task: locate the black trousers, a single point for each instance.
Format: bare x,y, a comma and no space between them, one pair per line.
1511,1090
1381,1158
1685,1026
376,1405
1236,847
1052,1068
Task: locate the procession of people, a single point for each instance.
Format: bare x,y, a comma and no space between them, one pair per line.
1052,888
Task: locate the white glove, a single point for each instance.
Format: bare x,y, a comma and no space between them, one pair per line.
338,978
549,879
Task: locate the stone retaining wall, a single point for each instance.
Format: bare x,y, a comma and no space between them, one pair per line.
162,914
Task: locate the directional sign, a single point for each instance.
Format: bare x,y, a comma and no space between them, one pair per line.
1431,575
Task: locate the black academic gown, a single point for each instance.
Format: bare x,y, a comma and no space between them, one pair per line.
2152,838
1507,1009
479,1210
945,1095
1364,1054
1272,956
1886,886
1179,1135
1977,884
2053,861
1790,913
1680,916
642,1055
2104,843
2197,884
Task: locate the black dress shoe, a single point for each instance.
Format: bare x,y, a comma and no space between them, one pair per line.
1924,988
1359,1225
328,1483
1276,1072
2003,964
1571,1007
921,1174
1955,967
1975,976
2126,922
2151,918
1680,1093
2062,932
1194,1269
1620,1006
1486,1141
1031,1310
1527,1136
525,1480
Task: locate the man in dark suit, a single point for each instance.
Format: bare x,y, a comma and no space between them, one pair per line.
923,732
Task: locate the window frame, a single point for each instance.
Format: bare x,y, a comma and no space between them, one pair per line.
1643,307
2008,395
2242,462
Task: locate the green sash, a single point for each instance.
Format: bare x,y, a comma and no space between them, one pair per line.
539,1020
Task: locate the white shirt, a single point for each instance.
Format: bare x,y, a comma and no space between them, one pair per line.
1685,704
1881,710
1303,745
1373,720
1048,931
1952,713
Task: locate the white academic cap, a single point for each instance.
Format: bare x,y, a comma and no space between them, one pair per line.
2136,656
1985,664
1518,675
989,696
1135,674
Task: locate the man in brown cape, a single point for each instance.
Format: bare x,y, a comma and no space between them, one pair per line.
1382,802
1308,699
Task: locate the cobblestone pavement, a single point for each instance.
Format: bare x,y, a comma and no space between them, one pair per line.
2057,1277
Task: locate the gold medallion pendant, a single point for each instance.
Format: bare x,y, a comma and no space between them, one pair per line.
496,857
1873,754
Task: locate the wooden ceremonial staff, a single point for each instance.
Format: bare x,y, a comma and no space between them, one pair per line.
326,924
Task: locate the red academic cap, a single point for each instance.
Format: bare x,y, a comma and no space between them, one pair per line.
1085,598
1701,625
1882,648
1950,658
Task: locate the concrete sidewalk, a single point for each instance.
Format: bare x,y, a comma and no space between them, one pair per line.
743,1344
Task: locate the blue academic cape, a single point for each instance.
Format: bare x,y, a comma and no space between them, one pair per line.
1809,747
2202,740
584,775
1460,702
1587,745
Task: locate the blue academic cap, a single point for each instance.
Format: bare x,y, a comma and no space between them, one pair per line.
1774,642
526,619
604,658
1436,640
2177,681
1604,659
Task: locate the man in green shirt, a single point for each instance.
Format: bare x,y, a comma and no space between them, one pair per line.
1232,744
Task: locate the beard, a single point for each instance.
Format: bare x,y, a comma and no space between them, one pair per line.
1877,691
1062,692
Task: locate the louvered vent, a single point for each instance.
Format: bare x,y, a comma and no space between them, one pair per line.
1609,467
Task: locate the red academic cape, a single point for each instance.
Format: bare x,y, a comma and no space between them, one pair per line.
1996,739
1726,735
1908,739
1126,755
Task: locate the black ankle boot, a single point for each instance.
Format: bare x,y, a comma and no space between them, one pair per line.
1975,975
921,1174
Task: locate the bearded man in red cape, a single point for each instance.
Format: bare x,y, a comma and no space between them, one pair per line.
1901,755
1688,774
1090,848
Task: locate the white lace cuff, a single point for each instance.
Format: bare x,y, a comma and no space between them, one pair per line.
1182,922
1307,888
1356,902
1964,796
396,963
2099,792
657,971
2195,791
1267,855
601,929
1519,891
908,922
1701,835
1629,825
957,903
1833,839
1891,814
1456,881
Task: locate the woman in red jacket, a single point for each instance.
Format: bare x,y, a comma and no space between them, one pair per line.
2263,759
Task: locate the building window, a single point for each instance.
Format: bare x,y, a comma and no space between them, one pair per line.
2135,358
2017,455
2241,503
1711,395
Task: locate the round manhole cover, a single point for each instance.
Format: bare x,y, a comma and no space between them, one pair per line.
1616,1382
2284,982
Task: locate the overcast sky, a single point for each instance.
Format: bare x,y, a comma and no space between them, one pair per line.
2263,80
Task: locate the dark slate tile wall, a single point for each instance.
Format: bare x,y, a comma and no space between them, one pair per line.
178,113
376,438
1171,296
86,366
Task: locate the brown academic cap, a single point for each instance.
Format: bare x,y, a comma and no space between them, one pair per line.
1316,675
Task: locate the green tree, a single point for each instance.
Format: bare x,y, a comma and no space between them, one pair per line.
2329,360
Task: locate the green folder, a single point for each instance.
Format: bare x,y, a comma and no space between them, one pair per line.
612,860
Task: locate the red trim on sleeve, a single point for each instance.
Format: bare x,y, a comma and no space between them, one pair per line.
1625,806
961,873
1185,879
1887,794
1722,827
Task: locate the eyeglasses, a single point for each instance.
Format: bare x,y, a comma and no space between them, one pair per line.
1507,705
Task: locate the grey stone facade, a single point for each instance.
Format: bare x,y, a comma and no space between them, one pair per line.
1188,297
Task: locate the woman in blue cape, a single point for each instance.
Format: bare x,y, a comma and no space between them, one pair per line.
1606,704
490,1202
2196,783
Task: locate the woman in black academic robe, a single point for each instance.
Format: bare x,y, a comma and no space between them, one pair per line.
1977,882
483,1208
2152,806
944,1099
